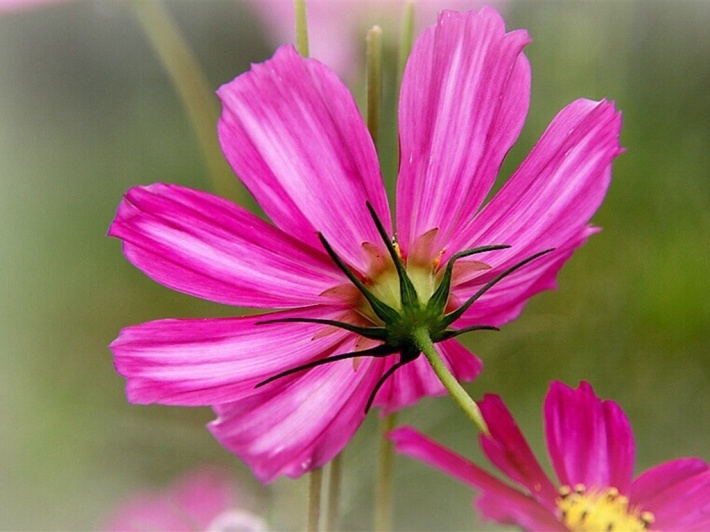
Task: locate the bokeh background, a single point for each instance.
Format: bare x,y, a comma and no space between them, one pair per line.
87,111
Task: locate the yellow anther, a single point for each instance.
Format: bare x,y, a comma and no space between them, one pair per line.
437,260
591,510
648,518
397,249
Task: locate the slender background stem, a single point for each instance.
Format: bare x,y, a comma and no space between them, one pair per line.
314,496
191,84
383,490
374,81
333,512
301,27
405,41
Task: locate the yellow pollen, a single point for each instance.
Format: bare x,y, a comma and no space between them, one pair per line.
437,260
596,510
396,247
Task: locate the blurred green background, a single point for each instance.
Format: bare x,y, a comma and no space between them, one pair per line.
86,111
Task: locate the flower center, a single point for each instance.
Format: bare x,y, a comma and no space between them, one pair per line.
594,510
385,285
405,302
411,308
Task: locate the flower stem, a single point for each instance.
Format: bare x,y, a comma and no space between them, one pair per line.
301,27
406,40
374,81
383,489
383,492
191,84
469,406
314,491
333,515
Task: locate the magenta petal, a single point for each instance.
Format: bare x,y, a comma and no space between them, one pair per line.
193,502
208,247
556,190
589,440
465,95
204,494
518,509
294,136
677,493
296,425
147,511
417,379
498,501
507,449
413,443
210,361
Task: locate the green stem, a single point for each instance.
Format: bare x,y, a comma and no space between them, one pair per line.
383,489
314,492
191,84
383,492
333,515
374,81
406,40
301,27
421,338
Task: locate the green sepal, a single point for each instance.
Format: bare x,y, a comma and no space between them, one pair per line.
453,333
386,313
407,292
373,333
452,316
437,301
381,350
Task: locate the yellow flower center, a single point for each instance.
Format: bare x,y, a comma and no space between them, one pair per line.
385,285
594,510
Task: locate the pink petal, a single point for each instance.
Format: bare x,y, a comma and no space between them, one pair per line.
146,512
192,503
294,136
677,493
203,495
589,440
507,449
417,379
10,6
506,299
464,99
211,361
208,247
499,501
293,426
556,190
518,509
412,443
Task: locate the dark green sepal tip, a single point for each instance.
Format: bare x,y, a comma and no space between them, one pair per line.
407,292
453,333
386,313
452,316
437,301
382,350
373,333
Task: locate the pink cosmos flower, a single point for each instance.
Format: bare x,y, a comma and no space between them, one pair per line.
204,499
592,449
9,6
294,136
